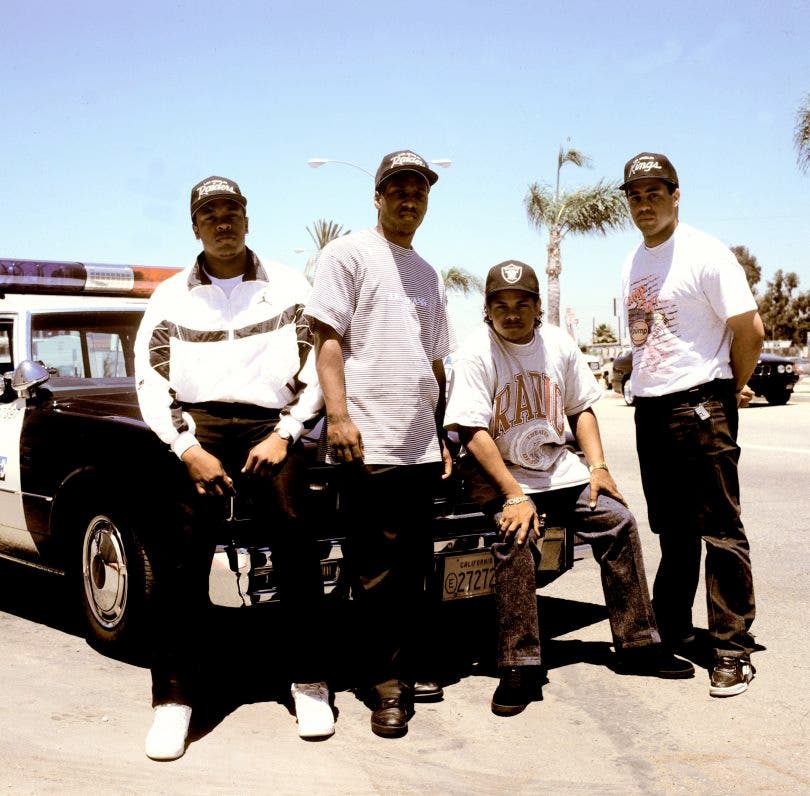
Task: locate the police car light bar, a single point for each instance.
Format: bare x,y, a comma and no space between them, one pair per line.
67,278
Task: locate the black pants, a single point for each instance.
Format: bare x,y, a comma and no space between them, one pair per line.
387,513
183,555
689,473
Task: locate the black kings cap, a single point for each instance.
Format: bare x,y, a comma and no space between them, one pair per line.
649,166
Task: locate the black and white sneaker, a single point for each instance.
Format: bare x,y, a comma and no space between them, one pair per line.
731,675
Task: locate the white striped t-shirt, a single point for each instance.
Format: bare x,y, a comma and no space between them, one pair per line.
389,306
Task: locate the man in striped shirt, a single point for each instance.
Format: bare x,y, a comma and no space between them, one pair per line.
378,311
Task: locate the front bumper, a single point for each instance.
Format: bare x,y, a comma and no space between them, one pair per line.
244,576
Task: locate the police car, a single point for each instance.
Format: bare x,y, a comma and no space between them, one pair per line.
81,475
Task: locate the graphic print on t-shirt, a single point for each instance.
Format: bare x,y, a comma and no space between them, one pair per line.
531,399
652,323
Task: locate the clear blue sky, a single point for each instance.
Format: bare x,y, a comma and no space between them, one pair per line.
112,111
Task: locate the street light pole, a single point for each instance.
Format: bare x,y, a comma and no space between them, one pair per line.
316,163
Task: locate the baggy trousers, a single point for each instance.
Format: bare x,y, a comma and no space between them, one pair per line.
387,513
182,558
611,531
689,473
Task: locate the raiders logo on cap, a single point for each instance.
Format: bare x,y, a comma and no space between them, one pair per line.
512,275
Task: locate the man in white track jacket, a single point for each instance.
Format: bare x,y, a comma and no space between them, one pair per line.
225,379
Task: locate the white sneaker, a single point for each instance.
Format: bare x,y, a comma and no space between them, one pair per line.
315,717
166,739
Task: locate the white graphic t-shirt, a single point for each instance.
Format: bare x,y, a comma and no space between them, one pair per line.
678,297
522,395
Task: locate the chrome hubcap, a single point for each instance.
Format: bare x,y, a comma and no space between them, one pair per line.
104,570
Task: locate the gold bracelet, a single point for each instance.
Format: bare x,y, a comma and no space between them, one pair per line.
515,501
597,466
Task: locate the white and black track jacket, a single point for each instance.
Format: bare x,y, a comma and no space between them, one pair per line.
195,344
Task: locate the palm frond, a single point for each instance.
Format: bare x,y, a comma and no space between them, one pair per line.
461,280
324,231
575,156
801,134
596,208
540,205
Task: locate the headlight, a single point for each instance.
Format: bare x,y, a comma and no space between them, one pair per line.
780,368
788,368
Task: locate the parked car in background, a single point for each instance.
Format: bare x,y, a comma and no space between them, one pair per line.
620,375
773,378
801,366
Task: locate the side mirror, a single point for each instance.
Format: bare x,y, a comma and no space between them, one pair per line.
27,375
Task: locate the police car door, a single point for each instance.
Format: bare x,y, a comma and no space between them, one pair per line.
14,538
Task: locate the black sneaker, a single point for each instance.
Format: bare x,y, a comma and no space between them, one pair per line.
517,687
653,661
731,676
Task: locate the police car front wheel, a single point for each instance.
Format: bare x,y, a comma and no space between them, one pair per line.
116,579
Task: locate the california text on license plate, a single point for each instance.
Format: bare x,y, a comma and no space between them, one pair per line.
468,575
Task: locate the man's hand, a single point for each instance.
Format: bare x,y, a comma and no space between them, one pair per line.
345,441
447,459
602,481
519,520
207,472
264,456
744,397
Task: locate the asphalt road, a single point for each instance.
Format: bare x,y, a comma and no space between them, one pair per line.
74,721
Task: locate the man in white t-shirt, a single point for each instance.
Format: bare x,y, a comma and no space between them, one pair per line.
696,340
379,315
513,385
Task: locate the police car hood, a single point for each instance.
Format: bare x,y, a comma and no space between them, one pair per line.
102,398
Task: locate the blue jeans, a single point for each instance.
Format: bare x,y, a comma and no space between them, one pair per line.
611,531
689,474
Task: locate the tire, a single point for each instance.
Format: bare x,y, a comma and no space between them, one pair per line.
778,397
115,579
627,392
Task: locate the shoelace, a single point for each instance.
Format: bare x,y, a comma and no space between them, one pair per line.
512,679
727,662
312,690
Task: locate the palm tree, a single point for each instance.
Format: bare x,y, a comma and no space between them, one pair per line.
324,231
801,134
321,233
596,208
604,334
461,280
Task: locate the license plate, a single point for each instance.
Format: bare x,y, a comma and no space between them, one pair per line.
468,575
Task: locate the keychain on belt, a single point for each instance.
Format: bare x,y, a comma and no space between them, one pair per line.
702,412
